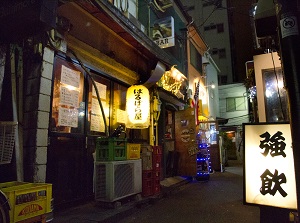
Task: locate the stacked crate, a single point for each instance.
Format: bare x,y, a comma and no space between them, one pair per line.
133,151
147,183
157,162
116,149
111,149
151,162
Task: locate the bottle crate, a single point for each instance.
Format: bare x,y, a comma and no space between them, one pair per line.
133,151
111,149
27,200
146,162
147,183
156,186
157,150
156,161
156,174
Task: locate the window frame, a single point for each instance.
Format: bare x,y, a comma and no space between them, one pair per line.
235,106
195,58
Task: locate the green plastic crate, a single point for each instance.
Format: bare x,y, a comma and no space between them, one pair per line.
111,149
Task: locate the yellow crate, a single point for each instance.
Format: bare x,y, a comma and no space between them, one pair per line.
27,200
133,151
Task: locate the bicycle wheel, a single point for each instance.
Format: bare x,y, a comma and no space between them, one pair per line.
4,211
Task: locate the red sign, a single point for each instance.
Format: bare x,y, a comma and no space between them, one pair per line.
30,209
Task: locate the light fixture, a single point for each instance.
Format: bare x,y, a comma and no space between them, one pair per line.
176,74
212,85
172,81
138,107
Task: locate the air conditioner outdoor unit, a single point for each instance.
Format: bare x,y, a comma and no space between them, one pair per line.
115,180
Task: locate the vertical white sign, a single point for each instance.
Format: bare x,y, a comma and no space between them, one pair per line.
269,166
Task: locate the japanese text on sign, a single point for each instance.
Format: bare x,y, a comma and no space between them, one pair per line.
68,117
70,77
269,166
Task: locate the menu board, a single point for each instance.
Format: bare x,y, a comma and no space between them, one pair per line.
69,97
97,122
67,117
101,90
70,77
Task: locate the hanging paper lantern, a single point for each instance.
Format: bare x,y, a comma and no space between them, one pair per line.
138,107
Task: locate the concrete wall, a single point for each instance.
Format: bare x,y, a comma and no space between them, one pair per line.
36,117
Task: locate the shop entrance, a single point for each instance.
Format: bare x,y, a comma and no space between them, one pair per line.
77,120
69,158
69,169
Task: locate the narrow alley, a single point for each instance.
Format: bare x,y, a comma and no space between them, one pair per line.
219,200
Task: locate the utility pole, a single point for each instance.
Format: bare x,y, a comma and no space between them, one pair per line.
287,13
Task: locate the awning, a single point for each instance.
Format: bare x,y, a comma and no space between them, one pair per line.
156,74
169,97
222,121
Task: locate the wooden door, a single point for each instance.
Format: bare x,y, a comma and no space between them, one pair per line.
185,142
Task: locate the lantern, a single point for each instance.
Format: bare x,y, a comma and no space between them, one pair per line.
138,107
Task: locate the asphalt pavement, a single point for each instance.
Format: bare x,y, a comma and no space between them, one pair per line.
218,200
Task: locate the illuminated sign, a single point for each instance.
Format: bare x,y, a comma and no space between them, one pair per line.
269,177
172,80
163,32
138,107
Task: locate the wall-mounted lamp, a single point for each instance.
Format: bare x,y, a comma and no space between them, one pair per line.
176,74
213,86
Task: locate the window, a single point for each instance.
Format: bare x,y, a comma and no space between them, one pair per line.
210,27
214,51
220,28
222,79
206,28
68,102
235,104
96,117
195,58
216,3
222,53
208,4
276,101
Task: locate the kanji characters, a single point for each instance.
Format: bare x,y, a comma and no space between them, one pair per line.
274,144
271,183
